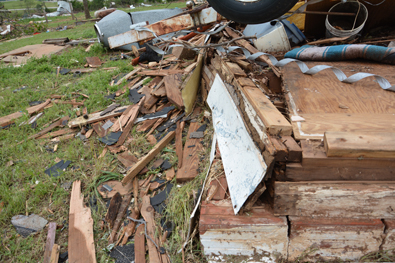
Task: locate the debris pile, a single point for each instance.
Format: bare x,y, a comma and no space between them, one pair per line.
285,152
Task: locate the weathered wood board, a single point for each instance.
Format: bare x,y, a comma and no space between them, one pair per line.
316,166
222,232
81,246
190,160
389,239
275,122
349,199
333,238
346,144
327,104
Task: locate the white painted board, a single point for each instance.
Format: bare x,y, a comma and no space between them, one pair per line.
243,163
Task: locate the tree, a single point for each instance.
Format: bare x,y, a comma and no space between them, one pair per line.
87,14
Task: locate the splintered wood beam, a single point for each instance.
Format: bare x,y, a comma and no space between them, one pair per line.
48,129
123,119
146,159
9,119
190,159
81,245
161,72
133,115
129,229
113,209
139,244
173,92
129,75
275,122
95,117
38,108
55,254
56,133
147,211
50,242
179,130
121,212
355,144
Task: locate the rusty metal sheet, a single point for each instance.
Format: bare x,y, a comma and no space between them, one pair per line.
166,26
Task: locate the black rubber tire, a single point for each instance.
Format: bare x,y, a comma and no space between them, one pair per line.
252,13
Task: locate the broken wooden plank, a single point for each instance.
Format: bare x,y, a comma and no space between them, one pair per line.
55,254
113,209
50,242
190,158
95,117
129,229
294,150
38,108
170,174
172,85
328,238
127,159
116,186
129,75
49,128
246,82
56,133
123,119
81,246
281,150
9,119
98,128
145,125
275,122
74,103
335,199
147,158
236,70
316,166
133,115
109,109
179,130
94,62
118,221
161,72
139,244
147,211
355,144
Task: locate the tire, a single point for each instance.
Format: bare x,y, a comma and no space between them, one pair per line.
257,12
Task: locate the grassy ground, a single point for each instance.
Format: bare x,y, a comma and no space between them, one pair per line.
22,4
26,189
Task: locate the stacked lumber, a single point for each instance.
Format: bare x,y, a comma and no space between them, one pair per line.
332,160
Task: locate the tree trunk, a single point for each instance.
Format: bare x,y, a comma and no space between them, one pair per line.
87,14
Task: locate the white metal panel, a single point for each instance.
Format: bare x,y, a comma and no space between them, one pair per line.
243,163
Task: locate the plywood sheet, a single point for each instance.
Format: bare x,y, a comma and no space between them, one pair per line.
326,104
37,51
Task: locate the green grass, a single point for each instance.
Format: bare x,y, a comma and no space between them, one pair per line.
18,187
22,4
24,187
